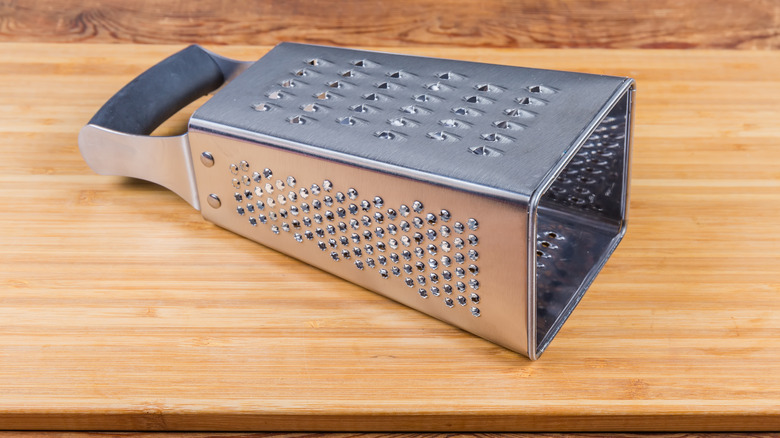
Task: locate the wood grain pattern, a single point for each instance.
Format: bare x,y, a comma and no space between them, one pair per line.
121,309
370,435
736,24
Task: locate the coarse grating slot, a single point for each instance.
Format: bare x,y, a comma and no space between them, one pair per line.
578,218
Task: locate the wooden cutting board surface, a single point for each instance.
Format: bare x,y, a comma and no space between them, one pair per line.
120,308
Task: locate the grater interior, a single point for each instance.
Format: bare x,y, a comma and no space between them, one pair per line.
487,196
578,219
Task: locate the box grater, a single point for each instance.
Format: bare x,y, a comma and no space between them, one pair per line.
486,196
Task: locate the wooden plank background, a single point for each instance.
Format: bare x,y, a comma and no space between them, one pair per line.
734,24
120,308
369,435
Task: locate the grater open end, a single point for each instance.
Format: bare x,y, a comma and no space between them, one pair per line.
579,221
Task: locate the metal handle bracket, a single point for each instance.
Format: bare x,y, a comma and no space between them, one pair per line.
137,109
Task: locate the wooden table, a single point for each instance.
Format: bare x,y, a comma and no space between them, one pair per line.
120,308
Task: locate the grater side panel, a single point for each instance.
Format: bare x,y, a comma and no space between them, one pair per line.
378,230
489,126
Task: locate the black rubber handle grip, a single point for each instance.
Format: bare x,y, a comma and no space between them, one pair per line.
158,93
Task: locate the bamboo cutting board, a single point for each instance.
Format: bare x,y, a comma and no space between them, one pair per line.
120,308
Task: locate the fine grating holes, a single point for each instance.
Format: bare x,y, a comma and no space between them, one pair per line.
418,234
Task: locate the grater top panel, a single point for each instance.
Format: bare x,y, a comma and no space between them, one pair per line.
484,125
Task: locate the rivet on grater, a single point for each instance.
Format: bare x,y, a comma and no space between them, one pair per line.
213,201
207,159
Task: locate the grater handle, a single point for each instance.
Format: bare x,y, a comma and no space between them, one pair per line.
158,93
116,140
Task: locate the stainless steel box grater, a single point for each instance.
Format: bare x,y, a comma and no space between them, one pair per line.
486,196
